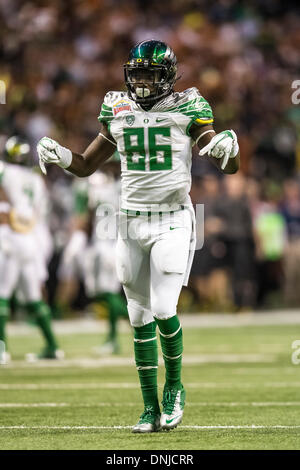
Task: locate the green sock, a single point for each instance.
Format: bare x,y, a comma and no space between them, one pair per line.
4,312
41,313
121,304
146,359
116,308
172,348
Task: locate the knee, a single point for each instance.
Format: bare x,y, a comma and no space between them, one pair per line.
123,264
139,315
123,272
163,308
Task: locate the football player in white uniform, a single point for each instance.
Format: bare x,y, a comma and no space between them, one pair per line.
90,255
23,250
154,130
102,283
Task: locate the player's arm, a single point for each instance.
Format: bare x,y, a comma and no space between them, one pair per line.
222,149
100,149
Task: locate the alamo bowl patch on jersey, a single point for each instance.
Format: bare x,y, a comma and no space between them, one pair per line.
155,147
121,106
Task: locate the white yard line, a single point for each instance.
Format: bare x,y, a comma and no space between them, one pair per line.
255,404
110,361
133,385
250,426
202,320
228,358
195,427
33,405
122,404
66,386
244,385
259,370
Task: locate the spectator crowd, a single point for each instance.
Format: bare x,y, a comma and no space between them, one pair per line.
58,60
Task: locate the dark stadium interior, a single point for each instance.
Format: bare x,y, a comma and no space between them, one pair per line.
58,59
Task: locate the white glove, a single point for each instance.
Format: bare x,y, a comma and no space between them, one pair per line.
50,151
223,145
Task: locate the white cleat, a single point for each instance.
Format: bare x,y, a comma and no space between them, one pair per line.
173,404
108,348
148,422
58,354
5,358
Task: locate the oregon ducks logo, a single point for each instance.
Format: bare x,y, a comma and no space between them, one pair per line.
130,120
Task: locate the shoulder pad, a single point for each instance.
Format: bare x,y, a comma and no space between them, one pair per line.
192,104
114,102
186,95
113,96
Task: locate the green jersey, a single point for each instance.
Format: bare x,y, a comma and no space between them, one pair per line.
155,147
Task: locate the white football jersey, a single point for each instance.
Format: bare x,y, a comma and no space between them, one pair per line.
25,190
155,147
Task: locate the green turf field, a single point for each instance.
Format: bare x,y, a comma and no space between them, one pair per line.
243,392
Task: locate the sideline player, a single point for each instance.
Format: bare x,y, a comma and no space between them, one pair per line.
23,249
102,283
154,129
90,255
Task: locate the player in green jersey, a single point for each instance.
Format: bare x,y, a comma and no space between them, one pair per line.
154,129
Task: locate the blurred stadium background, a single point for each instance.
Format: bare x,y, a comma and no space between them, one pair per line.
57,60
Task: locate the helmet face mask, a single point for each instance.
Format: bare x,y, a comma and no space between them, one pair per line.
146,82
150,72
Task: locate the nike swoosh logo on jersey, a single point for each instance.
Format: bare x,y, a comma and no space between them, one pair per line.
168,421
159,120
173,228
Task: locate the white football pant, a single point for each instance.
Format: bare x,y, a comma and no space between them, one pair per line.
152,259
100,268
19,265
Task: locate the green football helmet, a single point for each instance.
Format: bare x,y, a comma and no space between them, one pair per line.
17,150
150,72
